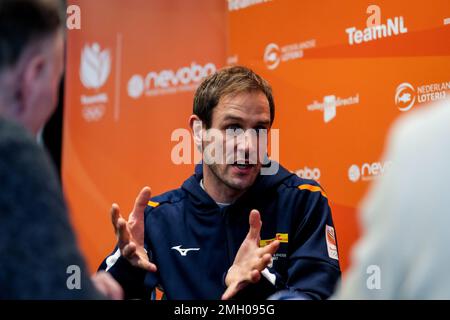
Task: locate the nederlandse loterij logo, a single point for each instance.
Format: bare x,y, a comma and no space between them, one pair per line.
95,66
405,96
272,56
329,105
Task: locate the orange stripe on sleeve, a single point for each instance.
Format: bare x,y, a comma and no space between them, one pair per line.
312,188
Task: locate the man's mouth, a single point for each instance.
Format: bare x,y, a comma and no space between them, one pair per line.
243,167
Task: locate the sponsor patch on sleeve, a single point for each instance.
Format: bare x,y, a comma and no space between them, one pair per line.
282,237
331,242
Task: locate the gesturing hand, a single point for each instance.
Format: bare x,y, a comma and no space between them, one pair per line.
250,259
130,234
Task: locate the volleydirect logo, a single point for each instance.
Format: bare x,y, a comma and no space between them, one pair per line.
330,105
309,173
368,171
406,96
169,81
95,68
274,54
234,5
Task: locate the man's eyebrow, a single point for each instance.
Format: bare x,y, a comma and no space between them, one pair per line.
232,118
264,123
239,119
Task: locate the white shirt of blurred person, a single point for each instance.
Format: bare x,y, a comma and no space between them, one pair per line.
403,252
30,78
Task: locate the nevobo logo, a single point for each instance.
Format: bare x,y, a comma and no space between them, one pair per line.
168,81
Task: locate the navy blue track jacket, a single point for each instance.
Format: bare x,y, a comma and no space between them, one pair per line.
293,210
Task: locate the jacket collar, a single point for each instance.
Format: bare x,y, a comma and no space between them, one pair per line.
262,185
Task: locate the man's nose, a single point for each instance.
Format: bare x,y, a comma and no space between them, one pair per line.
247,146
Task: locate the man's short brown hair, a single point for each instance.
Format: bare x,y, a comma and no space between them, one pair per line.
228,81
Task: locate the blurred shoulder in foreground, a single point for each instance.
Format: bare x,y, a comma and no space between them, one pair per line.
403,252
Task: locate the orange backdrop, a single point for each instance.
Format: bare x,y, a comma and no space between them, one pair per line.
133,66
303,49
114,146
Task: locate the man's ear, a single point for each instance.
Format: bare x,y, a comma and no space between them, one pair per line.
30,80
197,130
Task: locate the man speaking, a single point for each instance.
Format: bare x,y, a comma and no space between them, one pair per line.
229,231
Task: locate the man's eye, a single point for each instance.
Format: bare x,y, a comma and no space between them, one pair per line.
233,127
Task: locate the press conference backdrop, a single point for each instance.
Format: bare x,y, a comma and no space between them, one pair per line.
342,72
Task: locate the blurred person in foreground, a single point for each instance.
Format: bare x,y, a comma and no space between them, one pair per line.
37,244
403,252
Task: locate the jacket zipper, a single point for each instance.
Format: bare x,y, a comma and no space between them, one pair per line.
228,235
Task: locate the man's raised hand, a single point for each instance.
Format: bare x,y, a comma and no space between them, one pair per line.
250,259
130,234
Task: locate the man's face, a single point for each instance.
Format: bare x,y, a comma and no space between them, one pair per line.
246,110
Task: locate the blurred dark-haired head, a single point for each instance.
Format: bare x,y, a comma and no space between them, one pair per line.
31,59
